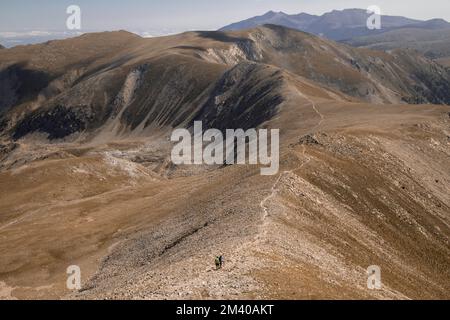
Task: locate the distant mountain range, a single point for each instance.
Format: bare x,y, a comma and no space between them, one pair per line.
431,37
11,39
336,25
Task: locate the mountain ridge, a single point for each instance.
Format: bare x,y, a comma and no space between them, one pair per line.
105,80
430,37
336,25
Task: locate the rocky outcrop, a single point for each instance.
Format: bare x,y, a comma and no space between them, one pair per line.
245,97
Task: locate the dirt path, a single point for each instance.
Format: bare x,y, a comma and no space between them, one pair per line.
274,189
241,260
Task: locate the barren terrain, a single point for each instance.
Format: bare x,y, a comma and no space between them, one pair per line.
86,177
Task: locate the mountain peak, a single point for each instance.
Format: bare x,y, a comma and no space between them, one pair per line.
271,13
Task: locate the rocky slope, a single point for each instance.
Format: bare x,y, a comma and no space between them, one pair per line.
359,185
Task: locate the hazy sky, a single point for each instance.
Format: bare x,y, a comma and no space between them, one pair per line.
18,15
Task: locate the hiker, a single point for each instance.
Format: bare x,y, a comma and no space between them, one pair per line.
217,260
221,261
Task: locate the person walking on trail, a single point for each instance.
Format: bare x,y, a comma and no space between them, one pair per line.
217,260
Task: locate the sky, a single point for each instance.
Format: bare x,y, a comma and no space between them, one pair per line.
180,15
